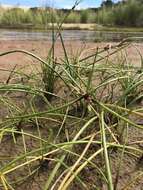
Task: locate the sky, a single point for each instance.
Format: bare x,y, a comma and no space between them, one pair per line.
54,3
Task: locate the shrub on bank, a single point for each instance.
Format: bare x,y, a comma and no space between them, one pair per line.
129,13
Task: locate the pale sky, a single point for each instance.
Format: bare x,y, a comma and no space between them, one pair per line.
54,3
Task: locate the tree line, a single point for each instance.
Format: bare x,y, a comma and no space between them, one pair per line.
124,13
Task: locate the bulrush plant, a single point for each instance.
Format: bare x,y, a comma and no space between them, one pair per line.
82,140
49,77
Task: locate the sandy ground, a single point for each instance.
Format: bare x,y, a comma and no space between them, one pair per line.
87,26
40,48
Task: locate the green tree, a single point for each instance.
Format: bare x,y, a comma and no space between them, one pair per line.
84,16
107,3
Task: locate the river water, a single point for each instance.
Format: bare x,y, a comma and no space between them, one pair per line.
81,35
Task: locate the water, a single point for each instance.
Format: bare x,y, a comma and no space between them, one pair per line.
118,36
80,35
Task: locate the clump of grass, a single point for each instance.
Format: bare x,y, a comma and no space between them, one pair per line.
49,77
95,93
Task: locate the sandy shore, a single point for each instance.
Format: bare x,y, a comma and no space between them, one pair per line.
22,104
41,48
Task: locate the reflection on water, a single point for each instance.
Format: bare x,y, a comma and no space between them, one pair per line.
117,36
81,35
45,35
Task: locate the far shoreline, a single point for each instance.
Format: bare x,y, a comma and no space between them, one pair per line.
74,26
